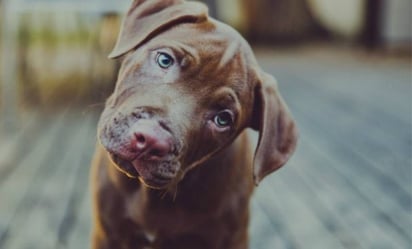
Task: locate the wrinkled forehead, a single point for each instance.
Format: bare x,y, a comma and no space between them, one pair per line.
210,47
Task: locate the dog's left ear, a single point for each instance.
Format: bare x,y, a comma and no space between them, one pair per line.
146,18
277,129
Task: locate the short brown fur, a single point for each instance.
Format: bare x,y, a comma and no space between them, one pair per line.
196,194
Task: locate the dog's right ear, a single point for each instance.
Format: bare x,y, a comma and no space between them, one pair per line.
146,18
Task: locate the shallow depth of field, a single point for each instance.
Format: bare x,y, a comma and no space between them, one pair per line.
344,69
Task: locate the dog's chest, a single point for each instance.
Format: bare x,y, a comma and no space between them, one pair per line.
163,216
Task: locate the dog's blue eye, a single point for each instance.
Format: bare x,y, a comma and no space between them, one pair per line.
223,119
164,60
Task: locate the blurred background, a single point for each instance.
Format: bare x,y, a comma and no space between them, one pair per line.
344,69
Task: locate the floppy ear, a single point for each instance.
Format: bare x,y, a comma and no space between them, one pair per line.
146,18
277,130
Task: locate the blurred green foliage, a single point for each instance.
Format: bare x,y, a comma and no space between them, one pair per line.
63,60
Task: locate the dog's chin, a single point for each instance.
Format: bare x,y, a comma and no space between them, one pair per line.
140,169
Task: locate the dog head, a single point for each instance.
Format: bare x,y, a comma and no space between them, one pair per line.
188,85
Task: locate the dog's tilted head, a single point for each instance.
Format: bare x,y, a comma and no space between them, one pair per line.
188,85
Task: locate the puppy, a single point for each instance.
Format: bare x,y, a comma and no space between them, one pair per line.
174,168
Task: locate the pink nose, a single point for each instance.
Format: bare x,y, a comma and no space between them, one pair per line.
152,140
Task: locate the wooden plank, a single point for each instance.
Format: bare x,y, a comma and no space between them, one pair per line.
340,125
355,141
268,229
380,194
268,232
374,186
388,89
294,222
338,203
46,214
8,139
15,146
381,119
13,188
77,217
389,155
80,236
303,87
275,196
385,86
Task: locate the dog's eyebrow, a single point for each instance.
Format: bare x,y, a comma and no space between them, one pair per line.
228,96
230,52
188,51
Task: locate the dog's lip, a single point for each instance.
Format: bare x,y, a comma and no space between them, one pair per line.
137,168
124,165
148,177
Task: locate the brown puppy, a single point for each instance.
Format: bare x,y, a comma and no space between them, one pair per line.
174,169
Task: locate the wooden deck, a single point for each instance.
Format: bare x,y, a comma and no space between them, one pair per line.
348,186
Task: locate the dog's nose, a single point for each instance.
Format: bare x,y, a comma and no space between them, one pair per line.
152,140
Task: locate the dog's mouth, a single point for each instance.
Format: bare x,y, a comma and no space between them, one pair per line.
125,166
156,174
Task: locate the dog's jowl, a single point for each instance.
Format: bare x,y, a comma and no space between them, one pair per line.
174,168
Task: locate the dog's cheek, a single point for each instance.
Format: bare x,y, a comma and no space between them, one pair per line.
219,137
113,132
209,143
102,127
